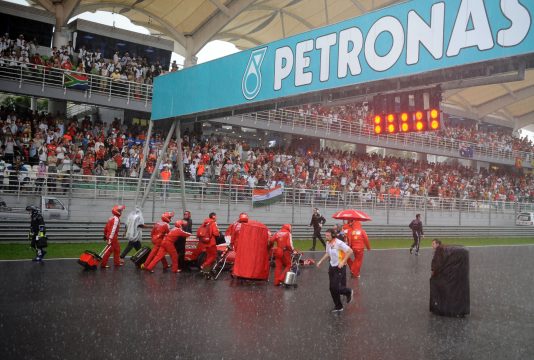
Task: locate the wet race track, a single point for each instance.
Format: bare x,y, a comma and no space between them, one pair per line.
56,310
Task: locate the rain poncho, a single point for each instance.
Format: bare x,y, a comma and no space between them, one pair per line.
133,231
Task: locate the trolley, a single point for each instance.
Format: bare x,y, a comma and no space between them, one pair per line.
219,265
291,276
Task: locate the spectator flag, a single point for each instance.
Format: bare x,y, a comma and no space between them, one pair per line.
75,81
262,197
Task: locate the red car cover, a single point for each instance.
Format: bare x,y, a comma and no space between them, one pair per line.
252,259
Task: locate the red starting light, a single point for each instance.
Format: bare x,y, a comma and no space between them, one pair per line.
392,123
404,126
378,119
434,119
419,115
420,121
378,129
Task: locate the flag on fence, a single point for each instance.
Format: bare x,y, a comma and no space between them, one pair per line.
262,197
76,81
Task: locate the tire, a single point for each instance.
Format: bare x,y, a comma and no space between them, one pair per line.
201,258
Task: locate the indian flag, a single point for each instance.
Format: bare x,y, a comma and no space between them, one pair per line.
262,197
75,81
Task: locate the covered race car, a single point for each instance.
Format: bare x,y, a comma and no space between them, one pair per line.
195,251
252,260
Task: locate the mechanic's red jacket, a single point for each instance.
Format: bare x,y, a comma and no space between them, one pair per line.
213,231
283,240
174,234
111,230
159,231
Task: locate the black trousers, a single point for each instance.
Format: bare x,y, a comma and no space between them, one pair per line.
129,247
180,249
416,241
338,284
317,235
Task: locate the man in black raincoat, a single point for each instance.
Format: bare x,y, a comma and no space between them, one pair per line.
37,235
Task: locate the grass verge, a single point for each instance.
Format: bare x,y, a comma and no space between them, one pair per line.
73,250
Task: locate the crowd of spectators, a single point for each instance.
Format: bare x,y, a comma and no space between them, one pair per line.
116,66
463,132
53,145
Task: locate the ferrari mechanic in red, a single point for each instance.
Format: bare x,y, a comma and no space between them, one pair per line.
207,234
357,240
233,230
111,235
282,253
160,229
167,247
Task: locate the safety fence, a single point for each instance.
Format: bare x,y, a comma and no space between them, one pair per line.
120,189
425,142
17,231
71,80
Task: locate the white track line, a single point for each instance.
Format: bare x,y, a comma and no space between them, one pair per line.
317,251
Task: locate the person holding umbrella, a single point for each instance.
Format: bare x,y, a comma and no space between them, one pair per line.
338,252
357,240
355,237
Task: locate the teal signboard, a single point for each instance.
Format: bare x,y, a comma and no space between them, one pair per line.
409,38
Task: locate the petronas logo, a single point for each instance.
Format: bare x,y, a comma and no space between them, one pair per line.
252,78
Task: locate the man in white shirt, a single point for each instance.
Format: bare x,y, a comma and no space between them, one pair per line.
339,253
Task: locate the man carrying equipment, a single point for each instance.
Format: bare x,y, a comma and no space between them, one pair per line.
160,229
233,230
133,232
111,236
167,247
282,253
207,234
37,235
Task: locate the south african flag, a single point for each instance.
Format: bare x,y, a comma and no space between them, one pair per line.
75,81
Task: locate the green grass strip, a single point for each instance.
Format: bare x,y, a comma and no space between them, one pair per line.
73,250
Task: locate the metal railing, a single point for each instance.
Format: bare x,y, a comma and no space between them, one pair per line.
122,188
75,81
426,142
68,231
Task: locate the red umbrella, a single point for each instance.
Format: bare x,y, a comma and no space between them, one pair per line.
351,214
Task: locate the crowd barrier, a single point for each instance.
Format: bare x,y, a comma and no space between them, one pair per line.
69,185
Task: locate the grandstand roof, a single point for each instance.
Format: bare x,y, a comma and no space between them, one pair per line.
248,23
